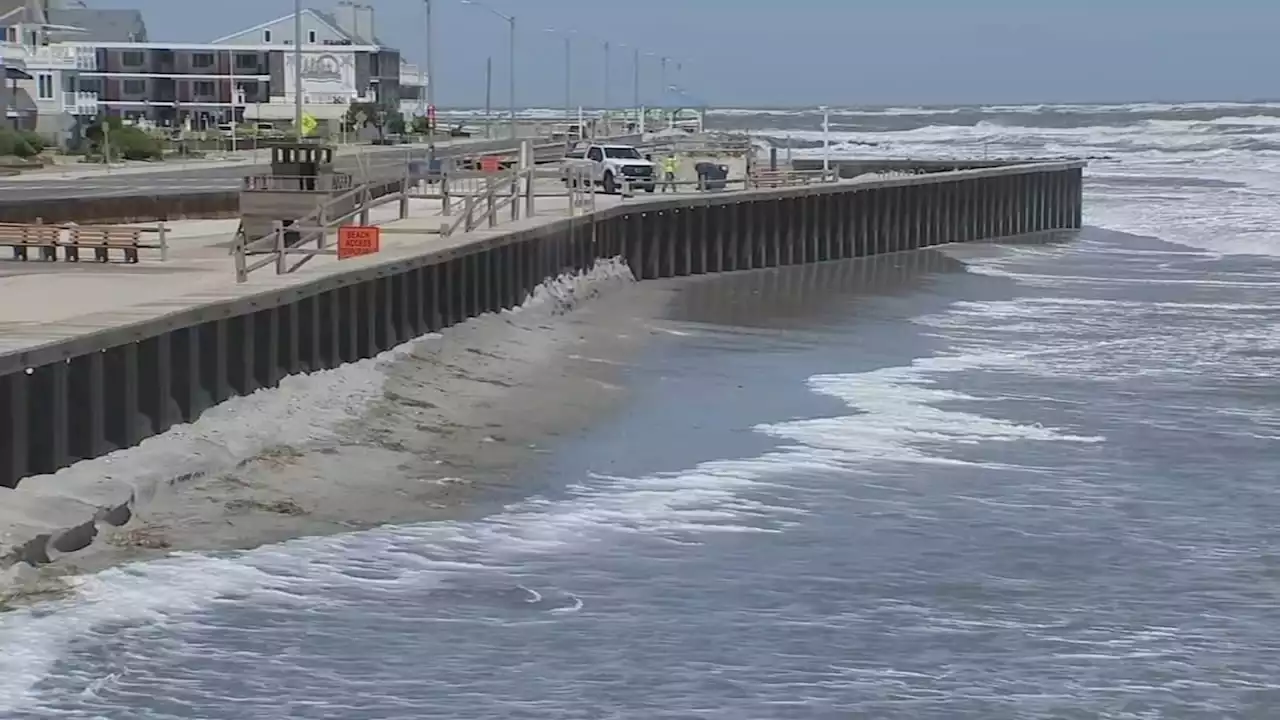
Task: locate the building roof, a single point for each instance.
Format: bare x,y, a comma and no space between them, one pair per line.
102,25
332,21
325,17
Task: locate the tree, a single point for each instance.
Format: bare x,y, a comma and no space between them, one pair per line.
122,141
382,117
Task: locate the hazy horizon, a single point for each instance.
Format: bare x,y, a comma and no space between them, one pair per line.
865,53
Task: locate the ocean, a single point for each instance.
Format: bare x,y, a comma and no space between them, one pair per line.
1032,479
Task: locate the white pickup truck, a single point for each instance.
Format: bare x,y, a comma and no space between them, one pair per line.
610,165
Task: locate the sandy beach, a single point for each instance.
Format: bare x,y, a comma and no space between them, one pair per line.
437,428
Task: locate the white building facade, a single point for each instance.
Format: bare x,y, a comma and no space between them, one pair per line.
249,76
44,91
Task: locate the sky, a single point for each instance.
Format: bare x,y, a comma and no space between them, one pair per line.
771,53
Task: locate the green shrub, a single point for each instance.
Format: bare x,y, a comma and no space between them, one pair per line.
125,141
34,140
20,144
136,144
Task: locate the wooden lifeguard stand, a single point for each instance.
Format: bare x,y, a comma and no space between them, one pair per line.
302,177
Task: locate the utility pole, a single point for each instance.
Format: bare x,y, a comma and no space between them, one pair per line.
568,77
607,58
662,96
431,88
826,143
488,97
512,74
635,81
297,69
511,70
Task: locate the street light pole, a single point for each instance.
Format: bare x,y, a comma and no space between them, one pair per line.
662,92
511,70
635,80
568,76
297,69
826,142
568,72
431,88
607,57
512,74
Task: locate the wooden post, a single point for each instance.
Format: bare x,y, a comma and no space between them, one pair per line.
163,232
280,247
526,158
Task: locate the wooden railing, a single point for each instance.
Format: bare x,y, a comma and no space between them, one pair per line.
292,238
476,198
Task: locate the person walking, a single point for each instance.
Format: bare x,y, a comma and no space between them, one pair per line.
670,165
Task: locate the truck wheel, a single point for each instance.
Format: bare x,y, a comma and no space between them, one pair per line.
610,187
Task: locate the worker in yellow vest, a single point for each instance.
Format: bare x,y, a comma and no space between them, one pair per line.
669,167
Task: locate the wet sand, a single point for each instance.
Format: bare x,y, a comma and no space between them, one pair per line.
436,429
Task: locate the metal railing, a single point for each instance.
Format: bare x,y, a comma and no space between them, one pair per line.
498,192
767,178
292,238
476,204
754,179
313,183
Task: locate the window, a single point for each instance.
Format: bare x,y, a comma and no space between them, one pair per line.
134,87
246,62
204,88
266,36
11,34
133,58
311,36
623,153
202,60
595,154
44,86
72,82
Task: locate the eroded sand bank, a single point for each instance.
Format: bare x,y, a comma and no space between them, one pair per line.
430,430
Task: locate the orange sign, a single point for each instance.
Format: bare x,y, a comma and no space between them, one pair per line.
357,240
490,163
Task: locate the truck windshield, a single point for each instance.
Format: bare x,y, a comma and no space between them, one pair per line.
622,153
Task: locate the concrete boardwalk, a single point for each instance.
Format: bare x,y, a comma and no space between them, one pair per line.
44,302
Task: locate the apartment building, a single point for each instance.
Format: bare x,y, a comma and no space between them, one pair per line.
43,89
68,64
249,75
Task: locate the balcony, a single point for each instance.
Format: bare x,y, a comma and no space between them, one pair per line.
80,103
13,54
410,75
62,56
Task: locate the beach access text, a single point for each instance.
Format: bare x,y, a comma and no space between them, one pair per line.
357,240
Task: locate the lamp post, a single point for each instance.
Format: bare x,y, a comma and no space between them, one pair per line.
826,142
607,58
568,72
662,91
511,70
431,88
297,69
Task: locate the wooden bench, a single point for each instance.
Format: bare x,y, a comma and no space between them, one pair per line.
103,239
22,238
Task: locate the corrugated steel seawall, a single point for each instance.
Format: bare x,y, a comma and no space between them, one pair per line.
86,396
